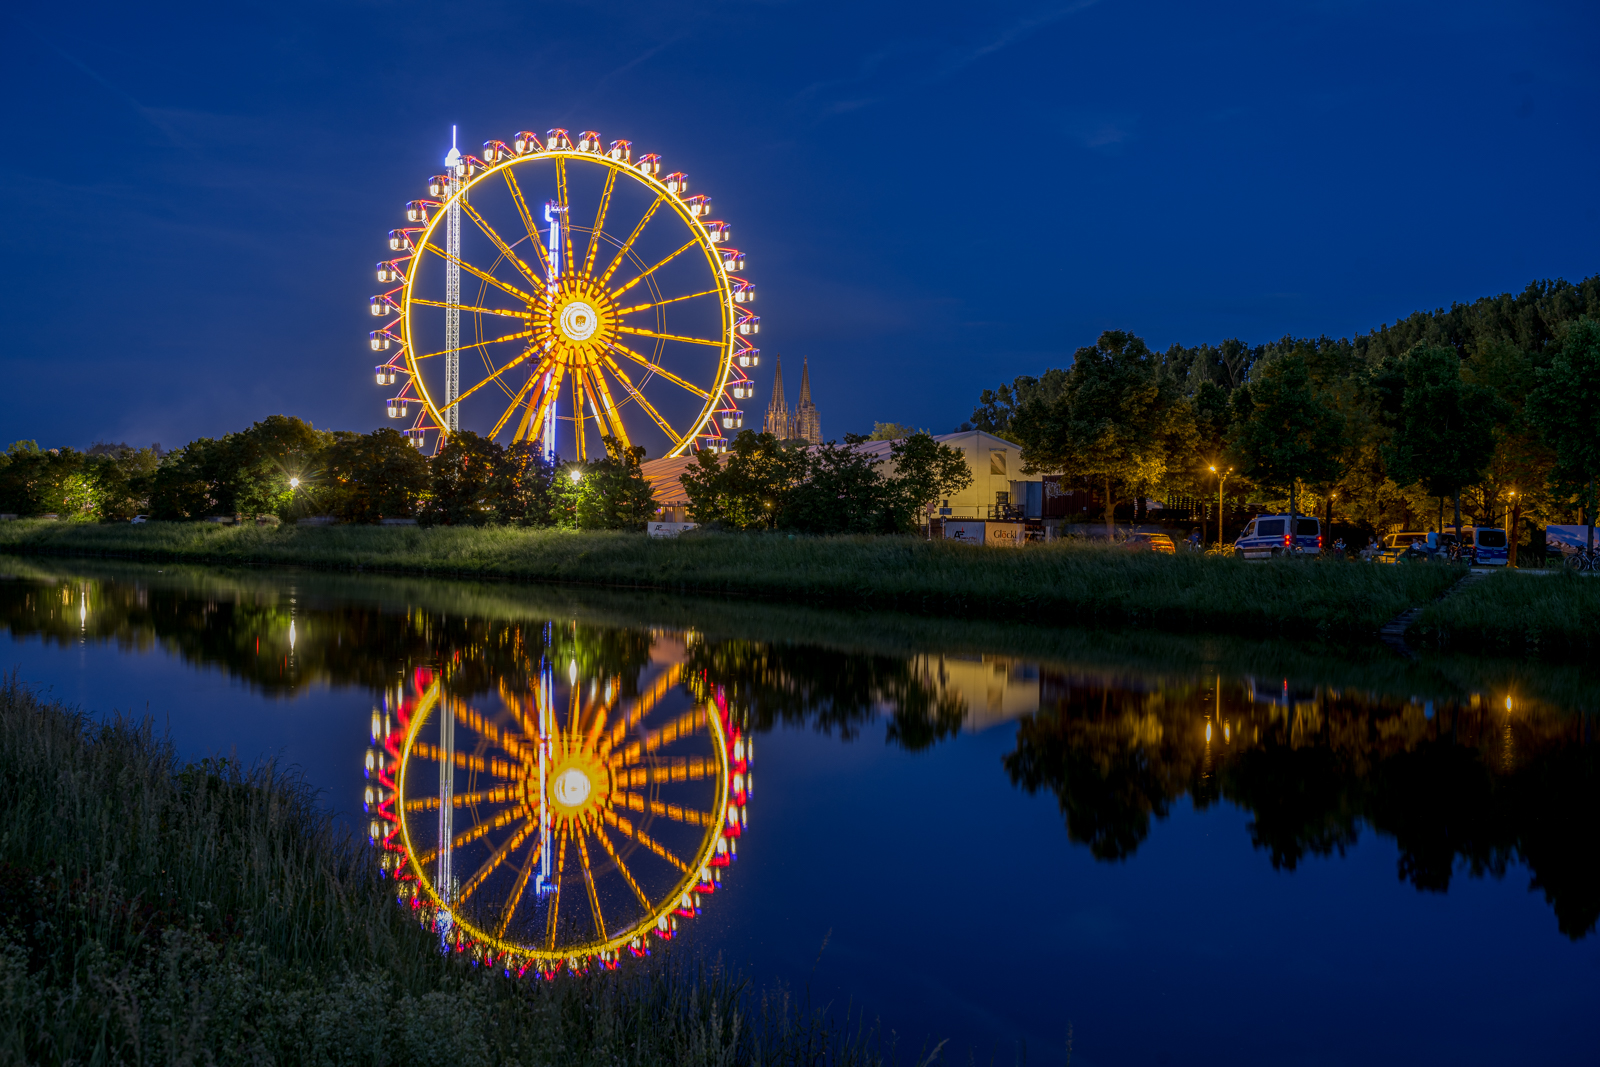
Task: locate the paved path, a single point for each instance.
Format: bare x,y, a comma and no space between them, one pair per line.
1393,632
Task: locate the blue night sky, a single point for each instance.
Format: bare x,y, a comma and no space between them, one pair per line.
933,197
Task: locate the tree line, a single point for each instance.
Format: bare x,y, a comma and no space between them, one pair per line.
1462,411
283,466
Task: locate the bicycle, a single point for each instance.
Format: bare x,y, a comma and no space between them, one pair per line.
1584,559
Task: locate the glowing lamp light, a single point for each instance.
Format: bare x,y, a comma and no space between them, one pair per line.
575,475
294,483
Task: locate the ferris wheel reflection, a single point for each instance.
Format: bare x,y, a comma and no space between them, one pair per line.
563,820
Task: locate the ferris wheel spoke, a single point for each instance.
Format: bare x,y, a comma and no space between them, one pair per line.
688,723
503,248
547,391
517,889
588,881
659,369
528,222
555,898
520,335
530,350
642,332
477,273
620,432
584,376
664,303
605,841
675,812
626,826
643,705
474,310
649,408
500,424
690,243
566,217
599,221
499,856
681,769
622,252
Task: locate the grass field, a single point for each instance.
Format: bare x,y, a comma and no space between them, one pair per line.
1553,616
152,912
1060,585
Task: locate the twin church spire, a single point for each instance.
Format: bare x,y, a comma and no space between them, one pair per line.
805,424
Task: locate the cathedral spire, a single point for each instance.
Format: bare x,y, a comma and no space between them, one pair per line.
778,424
807,423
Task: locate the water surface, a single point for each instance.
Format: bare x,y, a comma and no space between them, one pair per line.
1185,851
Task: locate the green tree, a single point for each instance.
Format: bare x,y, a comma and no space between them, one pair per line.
611,494
842,492
891,431
524,490
998,408
463,478
263,459
1287,432
192,482
1443,427
924,471
1119,418
1565,409
747,487
367,477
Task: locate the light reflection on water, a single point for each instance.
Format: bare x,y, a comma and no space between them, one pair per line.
1132,834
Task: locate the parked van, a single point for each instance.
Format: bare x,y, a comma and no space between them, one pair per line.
1485,546
1267,536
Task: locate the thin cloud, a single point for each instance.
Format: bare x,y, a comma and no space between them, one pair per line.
873,67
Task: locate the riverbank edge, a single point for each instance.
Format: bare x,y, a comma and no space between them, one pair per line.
286,943
1050,585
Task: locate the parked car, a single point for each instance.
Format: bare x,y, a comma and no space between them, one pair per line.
1150,542
137,519
1267,536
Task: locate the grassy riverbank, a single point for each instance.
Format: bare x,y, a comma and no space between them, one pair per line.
1060,584
1551,616
152,912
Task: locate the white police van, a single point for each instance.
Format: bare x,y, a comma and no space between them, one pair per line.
1267,537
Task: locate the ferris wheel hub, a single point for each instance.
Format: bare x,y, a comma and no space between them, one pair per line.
578,784
579,321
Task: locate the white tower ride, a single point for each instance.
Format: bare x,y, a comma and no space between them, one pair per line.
452,289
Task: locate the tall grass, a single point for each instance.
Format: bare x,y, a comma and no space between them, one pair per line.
152,912
1057,584
1551,616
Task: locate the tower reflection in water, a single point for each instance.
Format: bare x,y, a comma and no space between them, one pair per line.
568,817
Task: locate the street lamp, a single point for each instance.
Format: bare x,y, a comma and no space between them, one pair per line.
1222,478
1516,513
576,475
294,483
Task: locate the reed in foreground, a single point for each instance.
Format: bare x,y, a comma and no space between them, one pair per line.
1057,584
1550,616
152,912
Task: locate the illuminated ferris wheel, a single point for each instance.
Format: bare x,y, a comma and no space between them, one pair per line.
558,826
559,292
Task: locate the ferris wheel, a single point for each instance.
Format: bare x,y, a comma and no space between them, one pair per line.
559,291
558,826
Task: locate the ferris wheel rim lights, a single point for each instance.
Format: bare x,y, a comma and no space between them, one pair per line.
734,350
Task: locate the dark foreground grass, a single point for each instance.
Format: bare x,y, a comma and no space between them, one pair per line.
1551,616
165,914
1059,584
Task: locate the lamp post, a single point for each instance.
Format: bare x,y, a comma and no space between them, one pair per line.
294,483
1516,513
1222,478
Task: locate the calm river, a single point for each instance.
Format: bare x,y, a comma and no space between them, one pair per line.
1187,851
